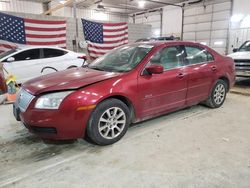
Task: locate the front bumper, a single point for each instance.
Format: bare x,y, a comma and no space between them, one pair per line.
243,73
63,124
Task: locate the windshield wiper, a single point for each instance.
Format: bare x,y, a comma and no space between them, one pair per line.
96,68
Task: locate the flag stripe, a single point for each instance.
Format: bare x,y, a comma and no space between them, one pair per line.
36,25
45,36
47,40
95,54
125,40
46,22
92,47
97,45
115,24
95,51
115,36
114,30
5,45
106,34
47,43
114,27
43,33
44,29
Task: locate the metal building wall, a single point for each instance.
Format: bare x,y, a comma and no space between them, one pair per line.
22,6
209,24
153,19
89,14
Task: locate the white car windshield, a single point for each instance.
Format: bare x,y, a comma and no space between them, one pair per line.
245,47
122,59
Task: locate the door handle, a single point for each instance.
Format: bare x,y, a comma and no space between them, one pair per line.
213,68
180,75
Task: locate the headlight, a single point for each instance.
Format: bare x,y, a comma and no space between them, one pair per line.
51,100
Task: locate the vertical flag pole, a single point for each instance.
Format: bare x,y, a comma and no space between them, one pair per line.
74,15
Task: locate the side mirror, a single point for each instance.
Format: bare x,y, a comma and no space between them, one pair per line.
235,49
10,59
155,69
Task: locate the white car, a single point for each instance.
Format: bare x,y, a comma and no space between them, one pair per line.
241,58
28,62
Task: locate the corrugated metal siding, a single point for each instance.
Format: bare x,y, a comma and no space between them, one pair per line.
208,24
22,6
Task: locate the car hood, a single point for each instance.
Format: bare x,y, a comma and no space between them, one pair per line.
240,55
66,80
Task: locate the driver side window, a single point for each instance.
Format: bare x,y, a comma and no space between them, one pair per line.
27,55
169,58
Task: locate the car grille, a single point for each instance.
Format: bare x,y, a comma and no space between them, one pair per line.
242,64
23,100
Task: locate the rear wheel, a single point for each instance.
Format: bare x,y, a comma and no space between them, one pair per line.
218,94
109,122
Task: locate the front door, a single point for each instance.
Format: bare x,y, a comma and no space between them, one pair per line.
26,65
166,91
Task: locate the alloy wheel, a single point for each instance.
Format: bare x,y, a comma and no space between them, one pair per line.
219,94
112,123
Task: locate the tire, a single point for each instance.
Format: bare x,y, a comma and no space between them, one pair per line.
103,128
218,94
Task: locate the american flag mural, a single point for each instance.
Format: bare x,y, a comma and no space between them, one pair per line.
15,31
102,37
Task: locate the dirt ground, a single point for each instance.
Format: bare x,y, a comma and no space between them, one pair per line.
195,147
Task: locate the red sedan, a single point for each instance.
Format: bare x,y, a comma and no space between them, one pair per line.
130,84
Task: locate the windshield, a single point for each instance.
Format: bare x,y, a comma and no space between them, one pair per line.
4,54
245,47
122,59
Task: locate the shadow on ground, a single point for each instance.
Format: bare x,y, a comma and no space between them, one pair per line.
242,82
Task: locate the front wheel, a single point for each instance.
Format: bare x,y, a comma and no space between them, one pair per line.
108,122
218,94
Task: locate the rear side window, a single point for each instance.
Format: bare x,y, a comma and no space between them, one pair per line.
27,55
49,53
197,55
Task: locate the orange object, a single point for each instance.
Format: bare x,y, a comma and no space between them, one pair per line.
11,97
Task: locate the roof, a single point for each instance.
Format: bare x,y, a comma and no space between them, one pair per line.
24,47
171,42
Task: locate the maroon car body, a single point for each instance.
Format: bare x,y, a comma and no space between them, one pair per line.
146,95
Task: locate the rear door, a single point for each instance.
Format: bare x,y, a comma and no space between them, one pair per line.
166,91
54,60
201,73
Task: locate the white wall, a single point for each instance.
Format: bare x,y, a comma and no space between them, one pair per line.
172,21
22,6
153,19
